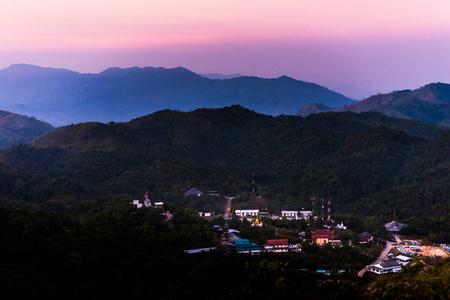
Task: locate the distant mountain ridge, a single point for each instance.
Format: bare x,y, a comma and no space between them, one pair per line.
220,76
429,104
63,97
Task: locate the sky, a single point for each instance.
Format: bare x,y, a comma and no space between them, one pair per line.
373,45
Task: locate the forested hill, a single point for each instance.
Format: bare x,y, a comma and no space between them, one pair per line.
366,162
16,129
63,97
430,104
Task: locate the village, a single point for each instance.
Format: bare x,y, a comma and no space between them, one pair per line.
396,255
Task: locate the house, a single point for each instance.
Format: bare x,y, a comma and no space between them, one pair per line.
403,260
295,247
277,246
394,226
244,246
137,203
363,240
385,267
194,192
365,237
322,236
147,203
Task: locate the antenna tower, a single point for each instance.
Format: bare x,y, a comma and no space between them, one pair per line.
253,184
329,208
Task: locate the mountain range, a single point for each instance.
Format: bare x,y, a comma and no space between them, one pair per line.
366,162
429,104
63,97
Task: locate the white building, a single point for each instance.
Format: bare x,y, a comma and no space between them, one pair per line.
137,203
403,260
246,212
385,267
158,204
277,246
305,214
290,214
341,226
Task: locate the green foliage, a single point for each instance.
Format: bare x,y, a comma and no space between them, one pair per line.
112,250
417,281
106,247
359,160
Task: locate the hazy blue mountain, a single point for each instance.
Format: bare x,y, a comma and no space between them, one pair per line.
430,104
64,97
220,76
16,129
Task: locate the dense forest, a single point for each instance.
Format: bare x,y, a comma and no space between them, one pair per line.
365,162
107,248
68,229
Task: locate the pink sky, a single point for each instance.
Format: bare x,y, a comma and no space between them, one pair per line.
378,45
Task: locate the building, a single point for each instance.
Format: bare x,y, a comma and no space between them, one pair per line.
193,192
246,212
385,267
305,214
257,222
365,237
148,203
290,214
206,214
200,250
341,226
403,260
295,247
244,246
394,226
137,203
322,237
277,246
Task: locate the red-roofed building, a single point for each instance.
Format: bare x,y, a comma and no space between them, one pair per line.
280,245
322,237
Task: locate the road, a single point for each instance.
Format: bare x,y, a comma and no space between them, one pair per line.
380,258
228,208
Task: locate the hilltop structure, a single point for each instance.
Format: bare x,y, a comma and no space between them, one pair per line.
394,226
194,192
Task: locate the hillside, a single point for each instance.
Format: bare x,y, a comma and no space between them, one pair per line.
16,129
63,97
430,104
360,160
313,108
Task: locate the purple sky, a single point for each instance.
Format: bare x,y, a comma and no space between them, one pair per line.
376,45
